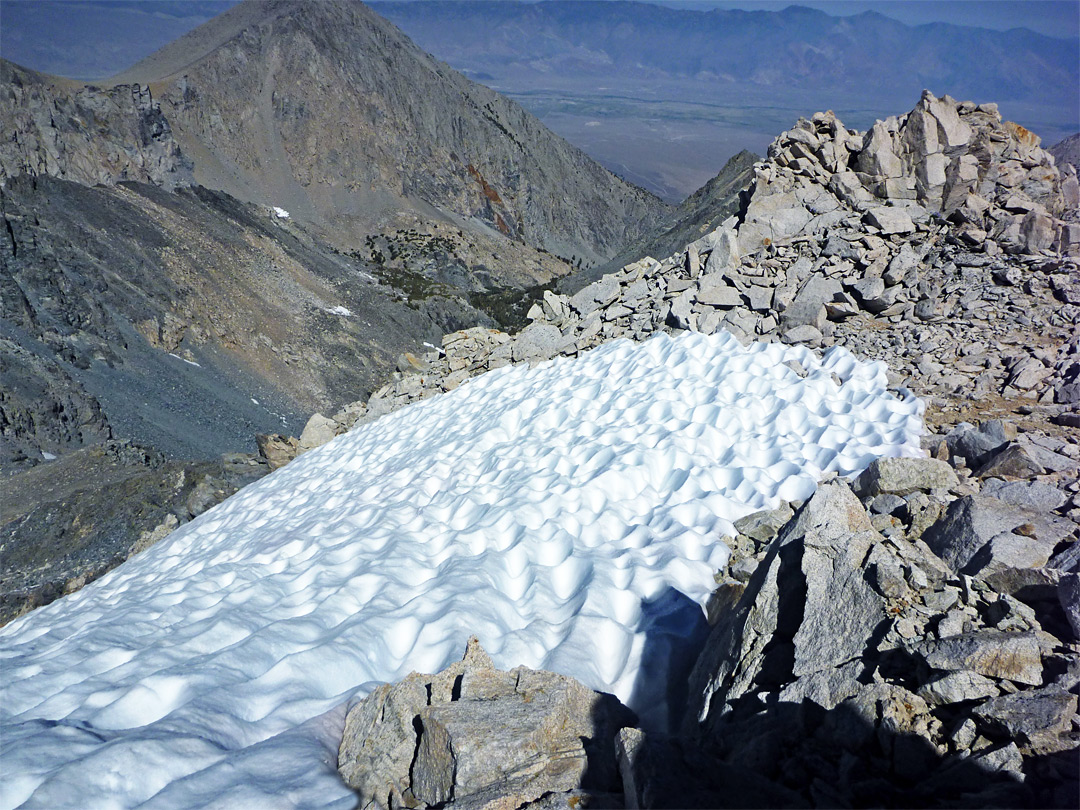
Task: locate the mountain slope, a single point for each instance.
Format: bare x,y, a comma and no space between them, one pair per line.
1066,151
257,98
697,215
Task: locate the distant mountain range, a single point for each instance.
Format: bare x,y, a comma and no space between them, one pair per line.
665,96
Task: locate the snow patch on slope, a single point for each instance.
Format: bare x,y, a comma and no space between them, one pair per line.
566,514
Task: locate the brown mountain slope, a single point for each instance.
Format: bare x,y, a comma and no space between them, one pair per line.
328,111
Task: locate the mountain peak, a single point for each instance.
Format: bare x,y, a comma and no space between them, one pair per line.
329,111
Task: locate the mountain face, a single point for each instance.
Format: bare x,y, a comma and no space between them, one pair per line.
328,111
1067,151
84,134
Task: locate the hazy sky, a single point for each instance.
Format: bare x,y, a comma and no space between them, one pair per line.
1060,18
1056,18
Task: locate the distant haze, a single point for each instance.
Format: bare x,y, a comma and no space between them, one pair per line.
1054,18
655,118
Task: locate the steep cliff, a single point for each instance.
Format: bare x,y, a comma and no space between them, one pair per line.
58,127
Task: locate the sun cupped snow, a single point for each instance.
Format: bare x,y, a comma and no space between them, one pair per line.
548,510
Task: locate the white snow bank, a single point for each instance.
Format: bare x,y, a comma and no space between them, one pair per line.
281,213
566,514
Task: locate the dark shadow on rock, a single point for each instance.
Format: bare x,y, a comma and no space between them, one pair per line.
675,630
802,755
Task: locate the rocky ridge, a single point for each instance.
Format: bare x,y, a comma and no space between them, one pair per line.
957,264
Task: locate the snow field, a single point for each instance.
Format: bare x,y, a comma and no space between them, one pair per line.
566,514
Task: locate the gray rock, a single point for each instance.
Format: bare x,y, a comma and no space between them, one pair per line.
1028,494
838,246
1068,559
720,296
1037,720
926,309
1031,583
680,315
763,526
724,253
903,476
827,688
1013,460
1069,595
995,654
596,295
889,220
976,445
969,524
819,552
317,432
901,264
954,687
841,609
480,737
771,219
536,342
803,334
888,504
1018,549
868,289
808,307
1006,758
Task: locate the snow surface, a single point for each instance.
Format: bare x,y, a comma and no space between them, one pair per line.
566,514
281,213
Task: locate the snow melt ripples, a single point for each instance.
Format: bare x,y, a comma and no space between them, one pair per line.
566,514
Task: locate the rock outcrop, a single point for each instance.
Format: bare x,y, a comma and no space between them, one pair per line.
478,737
857,667
85,134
